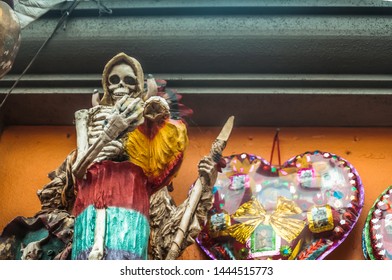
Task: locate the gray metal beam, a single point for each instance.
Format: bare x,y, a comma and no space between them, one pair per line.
256,100
211,109
209,43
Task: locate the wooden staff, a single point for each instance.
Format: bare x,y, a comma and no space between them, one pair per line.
196,192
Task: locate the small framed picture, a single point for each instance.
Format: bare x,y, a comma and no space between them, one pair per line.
239,182
219,222
305,178
320,219
264,241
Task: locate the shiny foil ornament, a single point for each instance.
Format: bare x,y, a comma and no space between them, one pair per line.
377,232
9,37
301,210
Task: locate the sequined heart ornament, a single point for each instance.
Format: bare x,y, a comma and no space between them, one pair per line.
301,210
377,232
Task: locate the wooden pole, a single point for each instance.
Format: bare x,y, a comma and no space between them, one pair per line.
196,192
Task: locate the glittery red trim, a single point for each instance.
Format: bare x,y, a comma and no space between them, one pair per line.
107,183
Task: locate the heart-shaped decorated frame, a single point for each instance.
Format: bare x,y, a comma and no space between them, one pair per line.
377,232
301,210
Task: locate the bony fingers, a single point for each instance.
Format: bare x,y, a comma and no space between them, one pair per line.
123,99
125,105
116,144
110,149
203,165
131,106
101,116
135,116
120,102
98,124
137,122
206,161
206,170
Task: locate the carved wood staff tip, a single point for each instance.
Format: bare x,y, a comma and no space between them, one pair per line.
216,152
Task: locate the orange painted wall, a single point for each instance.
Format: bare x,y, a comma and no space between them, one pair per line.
29,153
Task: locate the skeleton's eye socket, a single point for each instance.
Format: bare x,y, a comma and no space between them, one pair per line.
129,80
114,79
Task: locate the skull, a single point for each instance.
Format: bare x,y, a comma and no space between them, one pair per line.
32,251
122,81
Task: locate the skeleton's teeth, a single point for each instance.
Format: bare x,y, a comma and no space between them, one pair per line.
120,92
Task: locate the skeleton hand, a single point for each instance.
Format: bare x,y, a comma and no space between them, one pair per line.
127,115
98,118
112,150
208,170
156,109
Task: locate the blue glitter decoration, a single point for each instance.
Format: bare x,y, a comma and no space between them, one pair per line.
338,194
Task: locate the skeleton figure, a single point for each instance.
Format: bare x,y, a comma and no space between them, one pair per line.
116,174
108,200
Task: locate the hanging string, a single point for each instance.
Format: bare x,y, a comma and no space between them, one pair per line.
276,142
59,24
